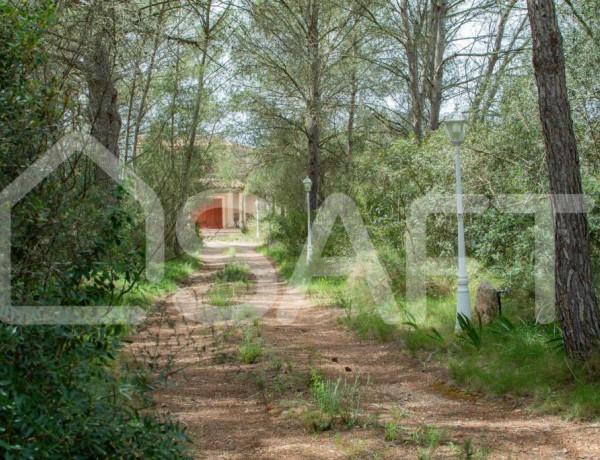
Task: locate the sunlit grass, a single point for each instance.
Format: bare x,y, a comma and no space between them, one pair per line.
526,363
250,350
175,271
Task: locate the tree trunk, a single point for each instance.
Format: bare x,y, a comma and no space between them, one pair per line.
104,111
130,104
143,105
314,102
482,90
200,94
350,125
575,295
410,49
435,98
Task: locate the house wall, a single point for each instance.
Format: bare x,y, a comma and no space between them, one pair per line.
237,207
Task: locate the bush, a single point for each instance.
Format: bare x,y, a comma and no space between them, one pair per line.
63,395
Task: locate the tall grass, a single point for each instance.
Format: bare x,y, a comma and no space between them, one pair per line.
233,271
230,281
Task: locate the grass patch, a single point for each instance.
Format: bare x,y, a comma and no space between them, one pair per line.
333,403
232,280
175,271
283,256
518,359
525,362
250,350
369,325
221,295
512,356
233,271
326,288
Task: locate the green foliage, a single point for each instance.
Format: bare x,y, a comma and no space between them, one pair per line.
63,395
230,281
222,295
522,362
369,324
334,402
284,256
392,430
426,435
64,390
503,326
250,350
233,271
472,333
175,271
290,229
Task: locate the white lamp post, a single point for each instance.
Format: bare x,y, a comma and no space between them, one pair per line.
307,187
257,219
456,126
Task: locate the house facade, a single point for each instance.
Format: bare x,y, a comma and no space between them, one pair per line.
229,207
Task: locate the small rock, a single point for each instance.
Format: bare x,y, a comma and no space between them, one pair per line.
348,369
334,359
486,303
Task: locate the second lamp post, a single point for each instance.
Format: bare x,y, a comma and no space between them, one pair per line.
307,188
456,125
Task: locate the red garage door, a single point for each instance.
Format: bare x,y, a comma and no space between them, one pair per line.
212,215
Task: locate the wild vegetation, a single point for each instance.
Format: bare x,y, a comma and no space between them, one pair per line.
191,95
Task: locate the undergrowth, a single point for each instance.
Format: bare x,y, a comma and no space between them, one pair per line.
175,271
513,356
250,350
333,402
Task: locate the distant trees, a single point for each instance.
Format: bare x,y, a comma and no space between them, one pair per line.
293,57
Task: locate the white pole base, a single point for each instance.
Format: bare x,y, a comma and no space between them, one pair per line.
463,301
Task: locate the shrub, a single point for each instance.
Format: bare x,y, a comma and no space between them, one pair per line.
62,395
221,295
62,392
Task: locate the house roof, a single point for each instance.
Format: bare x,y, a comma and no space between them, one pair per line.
232,184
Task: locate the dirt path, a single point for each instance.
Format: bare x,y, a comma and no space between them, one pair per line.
250,411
